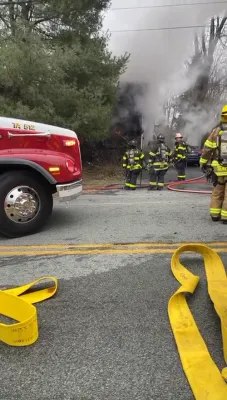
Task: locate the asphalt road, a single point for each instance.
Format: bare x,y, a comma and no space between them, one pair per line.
106,333
191,172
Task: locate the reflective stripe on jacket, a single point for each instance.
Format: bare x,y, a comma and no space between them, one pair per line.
135,162
180,151
155,158
210,148
210,153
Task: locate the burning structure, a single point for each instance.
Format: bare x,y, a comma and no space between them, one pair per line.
127,121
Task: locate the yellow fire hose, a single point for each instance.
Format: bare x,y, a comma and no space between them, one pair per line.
205,379
17,304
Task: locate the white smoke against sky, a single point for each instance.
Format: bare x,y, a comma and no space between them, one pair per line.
157,57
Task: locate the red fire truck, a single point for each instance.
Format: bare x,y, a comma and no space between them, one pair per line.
36,161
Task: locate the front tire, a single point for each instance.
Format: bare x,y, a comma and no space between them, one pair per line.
26,204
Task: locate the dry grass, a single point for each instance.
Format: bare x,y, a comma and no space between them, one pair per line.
102,175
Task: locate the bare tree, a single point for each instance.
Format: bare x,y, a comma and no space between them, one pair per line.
207,73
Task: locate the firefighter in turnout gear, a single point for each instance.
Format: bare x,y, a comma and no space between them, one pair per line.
215,155
158,164
133,162
180,156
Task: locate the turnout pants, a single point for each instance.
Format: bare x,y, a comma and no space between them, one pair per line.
131,179
218,205
180,167
157,178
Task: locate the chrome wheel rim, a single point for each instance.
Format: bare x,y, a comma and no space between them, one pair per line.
22,204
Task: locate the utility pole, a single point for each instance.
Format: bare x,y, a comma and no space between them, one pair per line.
141,147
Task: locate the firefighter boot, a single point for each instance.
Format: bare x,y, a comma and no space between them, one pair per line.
215,219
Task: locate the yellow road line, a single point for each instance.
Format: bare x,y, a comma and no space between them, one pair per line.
106,245
96,251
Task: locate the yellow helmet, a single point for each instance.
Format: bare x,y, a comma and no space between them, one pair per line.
224,114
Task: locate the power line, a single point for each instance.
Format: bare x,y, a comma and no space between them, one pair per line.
19,2
160,29
168,5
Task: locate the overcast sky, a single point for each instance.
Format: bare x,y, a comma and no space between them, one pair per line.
159,48
127,19
157,57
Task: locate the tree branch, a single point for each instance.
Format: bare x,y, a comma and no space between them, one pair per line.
44,19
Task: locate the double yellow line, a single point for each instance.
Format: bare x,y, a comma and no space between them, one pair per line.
100,248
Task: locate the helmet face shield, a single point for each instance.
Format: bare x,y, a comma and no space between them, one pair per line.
224,109
132,143
160,138
224,114
178,137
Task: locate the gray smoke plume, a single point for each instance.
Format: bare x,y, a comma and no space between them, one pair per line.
158,57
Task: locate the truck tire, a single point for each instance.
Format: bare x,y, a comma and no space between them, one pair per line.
25,204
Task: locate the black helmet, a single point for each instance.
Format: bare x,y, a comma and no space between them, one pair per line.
133,143
160,138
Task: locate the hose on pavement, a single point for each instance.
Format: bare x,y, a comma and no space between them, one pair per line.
115,186
173,186
206,380
18,304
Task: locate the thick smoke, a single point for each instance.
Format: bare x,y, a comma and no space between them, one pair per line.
158,57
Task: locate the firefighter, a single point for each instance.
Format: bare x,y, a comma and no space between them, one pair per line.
180,156
158,164
215,155
133,162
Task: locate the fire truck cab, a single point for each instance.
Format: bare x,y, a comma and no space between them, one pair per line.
36,161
